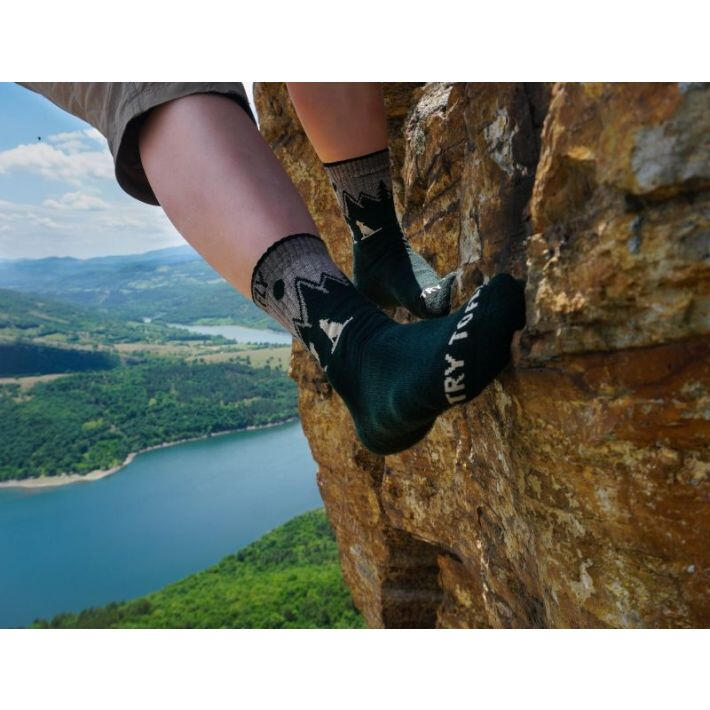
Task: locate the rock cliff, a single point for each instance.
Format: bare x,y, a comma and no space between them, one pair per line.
574,491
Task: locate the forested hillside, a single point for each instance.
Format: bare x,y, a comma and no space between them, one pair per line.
20,359
93,420
27,316
172,285
290,578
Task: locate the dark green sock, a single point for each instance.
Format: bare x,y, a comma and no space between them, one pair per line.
395,379
385,267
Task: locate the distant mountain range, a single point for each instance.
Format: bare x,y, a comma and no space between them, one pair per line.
166,285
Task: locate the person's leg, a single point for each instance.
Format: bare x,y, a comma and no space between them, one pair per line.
219,183
345,123
229,197
341,120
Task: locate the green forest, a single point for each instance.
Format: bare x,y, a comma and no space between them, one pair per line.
20,359
288,579
93,420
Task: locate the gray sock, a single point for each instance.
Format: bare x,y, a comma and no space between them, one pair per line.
297,283
385,267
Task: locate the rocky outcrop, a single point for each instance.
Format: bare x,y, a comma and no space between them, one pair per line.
574,491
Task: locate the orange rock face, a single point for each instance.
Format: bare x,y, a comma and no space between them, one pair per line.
574,491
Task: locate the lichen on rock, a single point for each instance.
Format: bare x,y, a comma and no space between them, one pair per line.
574,491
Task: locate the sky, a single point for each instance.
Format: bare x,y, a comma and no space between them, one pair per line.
58,195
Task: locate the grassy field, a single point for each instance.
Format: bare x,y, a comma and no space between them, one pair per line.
27,383
274,357
177,349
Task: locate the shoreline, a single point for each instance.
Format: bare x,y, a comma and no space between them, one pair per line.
64,479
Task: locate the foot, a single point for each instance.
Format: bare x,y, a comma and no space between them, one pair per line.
397,379
390,273
386,268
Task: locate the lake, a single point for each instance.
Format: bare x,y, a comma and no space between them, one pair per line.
171,512
239,333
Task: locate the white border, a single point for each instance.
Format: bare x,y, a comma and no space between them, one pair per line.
411,40
353,669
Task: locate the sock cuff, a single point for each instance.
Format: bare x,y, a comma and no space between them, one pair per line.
296,282
364,166
356,157
284,252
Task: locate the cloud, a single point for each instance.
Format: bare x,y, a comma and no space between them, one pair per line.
65,228
66,136
82,212
77,141
65,160
122,221
95,135
77,201
45,222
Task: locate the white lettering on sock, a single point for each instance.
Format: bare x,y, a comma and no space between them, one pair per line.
457,336
454,384
464,321
457,398
472,304
453,364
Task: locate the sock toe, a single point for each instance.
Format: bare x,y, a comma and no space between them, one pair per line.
510,300
393,442
435,301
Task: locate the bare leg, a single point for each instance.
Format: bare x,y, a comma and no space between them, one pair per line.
219,183
346,125
341,120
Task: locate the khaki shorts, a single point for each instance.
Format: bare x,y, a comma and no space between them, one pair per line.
116,109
